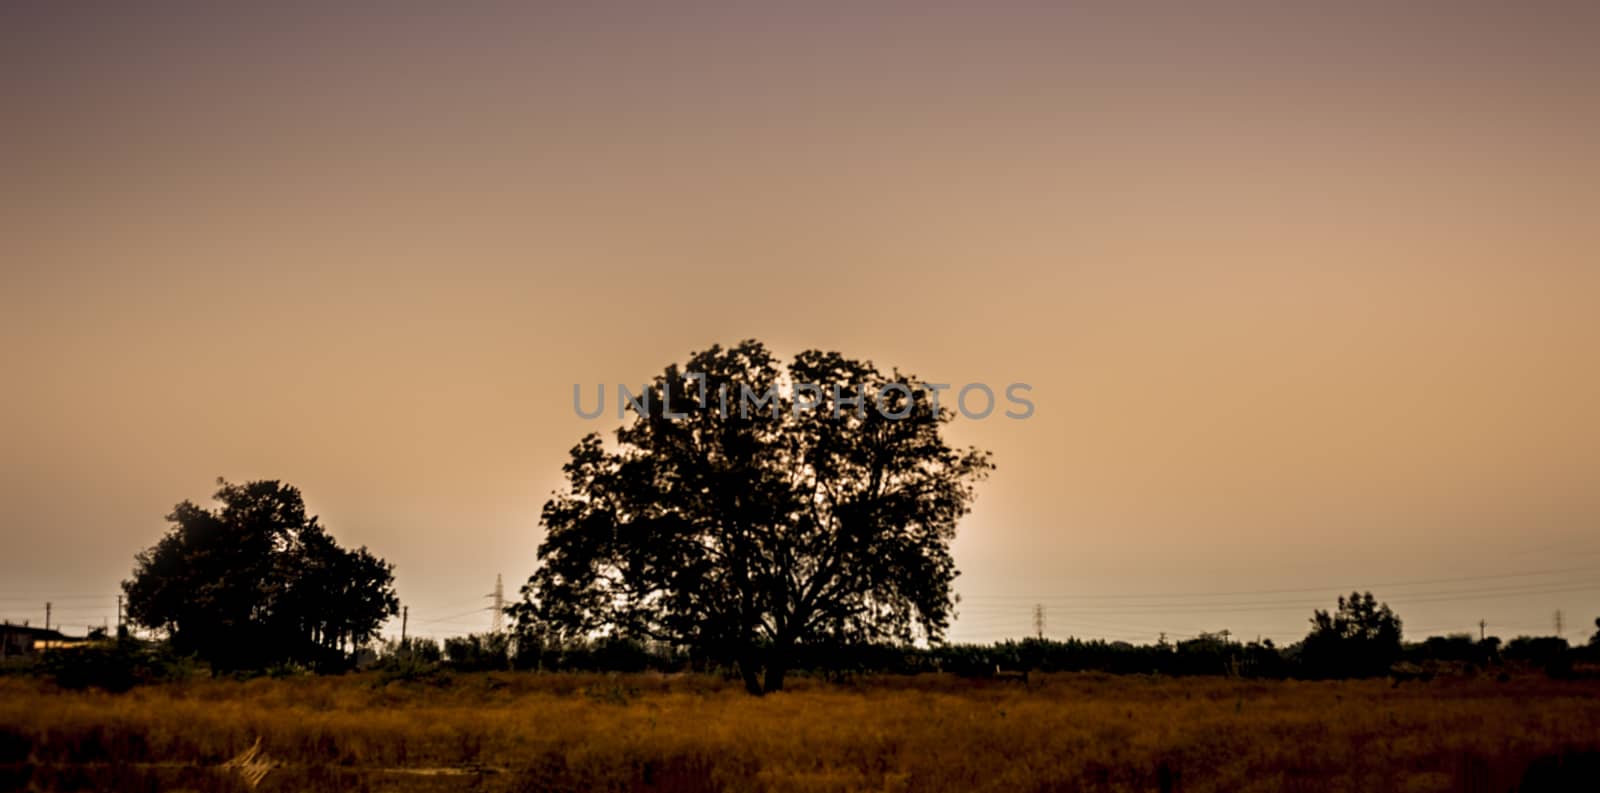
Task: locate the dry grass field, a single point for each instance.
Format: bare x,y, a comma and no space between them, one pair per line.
532,732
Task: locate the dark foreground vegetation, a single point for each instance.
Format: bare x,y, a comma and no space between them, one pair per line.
503,731
1203,714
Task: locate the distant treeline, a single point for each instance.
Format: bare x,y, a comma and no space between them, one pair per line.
1207,654
1360,638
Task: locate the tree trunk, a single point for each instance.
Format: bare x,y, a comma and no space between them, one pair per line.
777,665
747,669
775,673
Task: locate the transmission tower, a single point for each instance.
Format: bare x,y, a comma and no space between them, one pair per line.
1038,620
499,594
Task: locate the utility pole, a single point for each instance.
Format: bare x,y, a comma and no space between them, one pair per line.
1483,626
499,595
1038,620
47,615
405,616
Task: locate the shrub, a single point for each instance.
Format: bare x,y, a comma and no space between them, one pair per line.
114,666
478,652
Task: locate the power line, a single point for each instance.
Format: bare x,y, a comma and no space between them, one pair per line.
1548,588
999,617
44,596
454,616
1331,588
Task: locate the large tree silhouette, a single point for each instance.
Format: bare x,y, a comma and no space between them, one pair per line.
741,536
257,582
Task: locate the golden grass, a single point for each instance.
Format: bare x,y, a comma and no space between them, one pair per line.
930,733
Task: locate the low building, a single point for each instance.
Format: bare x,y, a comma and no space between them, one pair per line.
24,641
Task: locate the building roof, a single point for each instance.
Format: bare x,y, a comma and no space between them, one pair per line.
24,630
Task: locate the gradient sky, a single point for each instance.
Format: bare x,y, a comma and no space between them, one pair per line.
1307,298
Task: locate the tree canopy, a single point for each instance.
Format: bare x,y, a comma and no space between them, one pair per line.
1361,638
257,582
742,533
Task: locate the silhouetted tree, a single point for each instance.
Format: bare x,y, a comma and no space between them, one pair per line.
1457,647
257,582
746,533
1550,653
1360,639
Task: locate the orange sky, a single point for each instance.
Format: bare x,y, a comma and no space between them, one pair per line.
1306,299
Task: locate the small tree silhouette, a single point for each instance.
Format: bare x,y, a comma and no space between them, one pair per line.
1360,639
258,582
